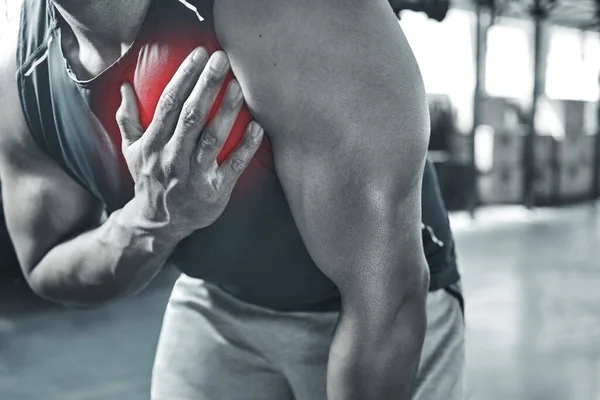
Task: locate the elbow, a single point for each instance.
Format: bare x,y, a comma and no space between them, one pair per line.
410,316
399,333
413,292
384,314
61,293
410,305
38,284
385,334
378,341
400,320
95,300
406,296
407,317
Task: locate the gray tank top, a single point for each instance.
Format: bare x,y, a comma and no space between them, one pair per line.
254,250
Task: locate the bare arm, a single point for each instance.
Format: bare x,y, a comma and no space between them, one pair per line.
335,85
66,254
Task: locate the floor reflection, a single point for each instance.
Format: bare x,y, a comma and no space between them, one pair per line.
531,279
533,312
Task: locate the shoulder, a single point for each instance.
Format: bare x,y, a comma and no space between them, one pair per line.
320,45
327,71
9,96
14,133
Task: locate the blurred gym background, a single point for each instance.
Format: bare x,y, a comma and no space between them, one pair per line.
513,88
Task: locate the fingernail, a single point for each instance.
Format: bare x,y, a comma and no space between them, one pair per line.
220,62
234,89
199,55
255,130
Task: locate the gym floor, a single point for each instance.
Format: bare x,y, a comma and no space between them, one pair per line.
533,319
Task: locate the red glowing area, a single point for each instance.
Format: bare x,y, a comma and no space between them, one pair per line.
149,69
156,67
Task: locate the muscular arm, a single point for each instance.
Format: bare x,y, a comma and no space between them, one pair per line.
335,85
66,254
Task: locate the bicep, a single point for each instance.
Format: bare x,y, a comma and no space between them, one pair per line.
339,93
43,206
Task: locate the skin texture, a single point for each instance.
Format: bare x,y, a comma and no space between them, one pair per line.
101,31
336,86
55,224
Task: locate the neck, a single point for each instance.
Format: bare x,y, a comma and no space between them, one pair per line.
95,33
105,22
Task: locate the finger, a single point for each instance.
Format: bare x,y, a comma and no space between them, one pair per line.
172,98
128,117
215,134
198,106
240,158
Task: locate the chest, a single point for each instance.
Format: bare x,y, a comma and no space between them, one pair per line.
87,132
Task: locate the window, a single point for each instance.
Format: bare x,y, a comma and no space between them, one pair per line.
573,65
509,60
445,53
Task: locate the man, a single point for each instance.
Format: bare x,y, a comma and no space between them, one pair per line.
325,216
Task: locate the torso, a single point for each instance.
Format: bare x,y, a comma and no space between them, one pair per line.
254,249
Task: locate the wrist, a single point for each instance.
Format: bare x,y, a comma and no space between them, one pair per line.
133,229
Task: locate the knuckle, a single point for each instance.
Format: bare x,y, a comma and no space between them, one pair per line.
212,78
169,100
192,116
229,107
122,117
168,157
120,114
168,172
166,161
144,174
217,185
238,164
146,148
209,139
249,143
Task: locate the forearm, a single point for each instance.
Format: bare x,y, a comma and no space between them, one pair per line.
115,260
375,354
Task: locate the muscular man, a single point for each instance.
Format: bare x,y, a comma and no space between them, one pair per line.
304,254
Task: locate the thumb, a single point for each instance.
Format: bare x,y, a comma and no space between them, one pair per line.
128,117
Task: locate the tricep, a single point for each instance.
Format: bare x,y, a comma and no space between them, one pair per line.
337,89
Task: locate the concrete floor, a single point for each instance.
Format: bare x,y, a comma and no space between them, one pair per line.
532,282
531,279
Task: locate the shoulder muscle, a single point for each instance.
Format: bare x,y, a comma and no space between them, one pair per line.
337,88
320,72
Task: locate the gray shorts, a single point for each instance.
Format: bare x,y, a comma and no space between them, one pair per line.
213,346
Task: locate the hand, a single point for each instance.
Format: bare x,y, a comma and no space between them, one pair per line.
179,187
